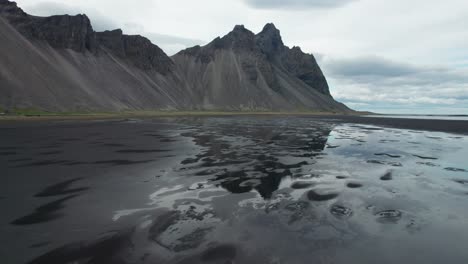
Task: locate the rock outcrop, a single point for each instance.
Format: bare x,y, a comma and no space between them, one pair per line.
61,32
60,63
136,49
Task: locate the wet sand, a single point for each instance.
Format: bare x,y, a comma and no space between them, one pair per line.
449,126
245,189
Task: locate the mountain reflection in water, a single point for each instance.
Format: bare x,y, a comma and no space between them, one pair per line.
232,190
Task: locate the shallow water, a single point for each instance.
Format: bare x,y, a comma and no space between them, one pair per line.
231,190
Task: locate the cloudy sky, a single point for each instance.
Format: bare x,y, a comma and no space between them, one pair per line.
399,56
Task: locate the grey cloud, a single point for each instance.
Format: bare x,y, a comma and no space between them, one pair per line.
369,66
383,71
172,44
296,4
170,39
169,43
376,83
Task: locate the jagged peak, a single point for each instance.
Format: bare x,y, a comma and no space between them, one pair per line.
269,40
239,27
269,27
270,31
297,49
240,30
239,37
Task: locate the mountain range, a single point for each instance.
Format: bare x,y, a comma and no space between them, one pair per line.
59,63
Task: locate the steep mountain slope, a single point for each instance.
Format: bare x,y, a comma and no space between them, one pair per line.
60,63
244,71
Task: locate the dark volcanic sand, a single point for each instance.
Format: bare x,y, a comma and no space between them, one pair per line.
450,126
234,190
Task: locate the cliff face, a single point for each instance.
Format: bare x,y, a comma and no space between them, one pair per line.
247,71
135,49
61,32
76,33
60,63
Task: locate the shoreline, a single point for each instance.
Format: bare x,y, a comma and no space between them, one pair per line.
155,114
435,125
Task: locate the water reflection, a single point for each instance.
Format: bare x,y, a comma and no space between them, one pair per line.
251,190
255,157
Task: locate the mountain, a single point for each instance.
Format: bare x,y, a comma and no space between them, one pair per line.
244,71
59,63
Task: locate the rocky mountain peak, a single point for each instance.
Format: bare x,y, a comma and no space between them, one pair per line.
239,28
296,49
270,27
270,30
239,38
269,40
239,31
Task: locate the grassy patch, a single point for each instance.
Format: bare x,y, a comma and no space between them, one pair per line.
27,112
33,114
38,112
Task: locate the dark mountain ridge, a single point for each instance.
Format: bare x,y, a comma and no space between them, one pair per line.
76,33
60,63
247,71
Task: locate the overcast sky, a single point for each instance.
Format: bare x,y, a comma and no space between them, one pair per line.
399,56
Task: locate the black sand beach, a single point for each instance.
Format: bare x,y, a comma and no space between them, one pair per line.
449,126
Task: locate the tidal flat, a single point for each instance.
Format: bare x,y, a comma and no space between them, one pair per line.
234,190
